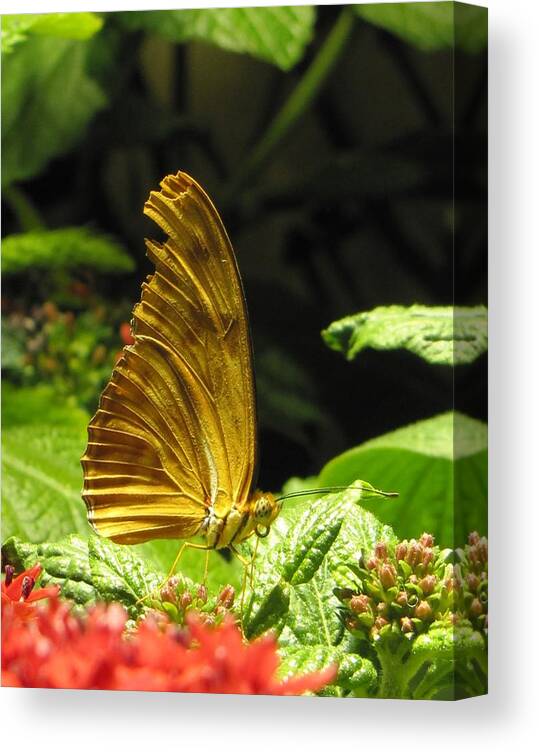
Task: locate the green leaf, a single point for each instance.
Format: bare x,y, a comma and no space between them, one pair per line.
42,441
446,336
438,467
64,563
67,248
355,673
431,26
304,550
47,102
278,35
120,574
455,660
17,27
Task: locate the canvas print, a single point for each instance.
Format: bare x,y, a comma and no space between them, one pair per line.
244,334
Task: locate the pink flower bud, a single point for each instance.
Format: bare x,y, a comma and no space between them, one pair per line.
388,575
400,551
202,593
185,600
402,599
428,556
427,584
423,610
380,550
476,607
359,604
380,622
427,540
407,625
226,596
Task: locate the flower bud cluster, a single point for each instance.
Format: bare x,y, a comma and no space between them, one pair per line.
470,581
178,598
404,589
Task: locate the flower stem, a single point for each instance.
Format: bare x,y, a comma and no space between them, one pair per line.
299,100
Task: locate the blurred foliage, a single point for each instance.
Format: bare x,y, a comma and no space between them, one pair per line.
47,101
75,354
68,249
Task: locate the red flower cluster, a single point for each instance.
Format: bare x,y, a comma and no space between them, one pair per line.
58,649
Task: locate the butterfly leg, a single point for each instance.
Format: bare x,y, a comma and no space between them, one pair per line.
186,544
248,573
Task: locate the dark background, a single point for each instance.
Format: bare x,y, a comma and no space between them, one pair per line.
354,209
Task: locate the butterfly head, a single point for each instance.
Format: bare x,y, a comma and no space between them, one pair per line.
265,510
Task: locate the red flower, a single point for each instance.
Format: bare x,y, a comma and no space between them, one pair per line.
209,659
57,649
126,334
20,591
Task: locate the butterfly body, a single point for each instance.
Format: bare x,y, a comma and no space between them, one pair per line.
258,515
172,448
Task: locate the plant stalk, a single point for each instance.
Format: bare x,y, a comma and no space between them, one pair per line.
299,100
26,213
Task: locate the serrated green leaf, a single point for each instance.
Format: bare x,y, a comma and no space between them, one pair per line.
312,616
67,248
47,101
278,35
267,608
42,440
309,542
64,563
17,27
438,467
355,673
444,336
432,25
120,574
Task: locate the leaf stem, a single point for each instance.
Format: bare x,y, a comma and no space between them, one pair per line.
26,213
299,100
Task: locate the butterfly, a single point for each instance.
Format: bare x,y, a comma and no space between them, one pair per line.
172,448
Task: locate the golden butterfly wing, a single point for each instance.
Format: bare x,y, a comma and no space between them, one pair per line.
174,439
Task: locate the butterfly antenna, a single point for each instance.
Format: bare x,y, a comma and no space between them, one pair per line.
335,489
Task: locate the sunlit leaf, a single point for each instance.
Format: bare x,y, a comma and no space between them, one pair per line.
42,441
278,35
120,574
431,26
438,467
442,335
17,27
